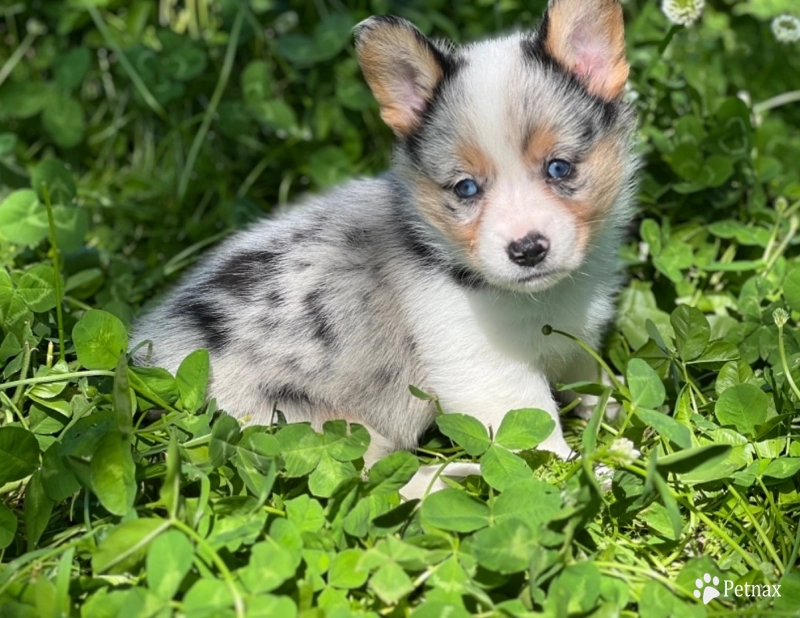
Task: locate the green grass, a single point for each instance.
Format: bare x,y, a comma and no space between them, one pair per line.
135,135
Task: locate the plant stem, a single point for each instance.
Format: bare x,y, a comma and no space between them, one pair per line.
59,292
785,363
126,64
61,377
26,363
18,54
759,530
547,330
793,225
216,97
660,53
238,602
778,101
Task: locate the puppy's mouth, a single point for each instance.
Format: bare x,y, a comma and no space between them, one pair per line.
541,276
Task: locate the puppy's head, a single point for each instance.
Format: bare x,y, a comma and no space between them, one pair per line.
516,150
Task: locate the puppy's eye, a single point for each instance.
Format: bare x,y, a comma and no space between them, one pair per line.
558,168
466,188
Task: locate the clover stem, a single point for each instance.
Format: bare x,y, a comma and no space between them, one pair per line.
759,530
26,363
238,602
785,364
59,292
547,330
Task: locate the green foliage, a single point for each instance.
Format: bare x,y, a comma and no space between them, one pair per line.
133,135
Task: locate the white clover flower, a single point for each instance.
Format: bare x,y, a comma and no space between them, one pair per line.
623,451
683,12
786,28
780,316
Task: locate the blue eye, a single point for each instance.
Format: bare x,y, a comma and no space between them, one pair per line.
467,188
558,168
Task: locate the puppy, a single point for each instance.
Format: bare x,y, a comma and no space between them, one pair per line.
502,212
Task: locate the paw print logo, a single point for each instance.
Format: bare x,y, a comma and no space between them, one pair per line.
710,593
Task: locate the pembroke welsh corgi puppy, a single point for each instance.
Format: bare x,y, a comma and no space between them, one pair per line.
502,212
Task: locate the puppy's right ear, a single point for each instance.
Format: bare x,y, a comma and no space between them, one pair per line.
402,67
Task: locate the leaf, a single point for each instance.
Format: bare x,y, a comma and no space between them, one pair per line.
99,339
37,288
270,565
8,526
58,480
225,435
169,560
466,431
121,395
656,600
666,426
329,474
693,459
270,606
783,468
524,429
452,509
692,331
19,452
37,510
789,600
113,473
344,572
274,114
305,513
58,179
647,390
63,120
192,380
391,473
301,447
169,495
126,545
256,80
502,469
791,288
207,598
718,352
506,547
25,99
391,583
345,443
70,68
744,406
23,220
531,501
670,506
577,589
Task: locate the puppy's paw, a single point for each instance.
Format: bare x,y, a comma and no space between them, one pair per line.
428,479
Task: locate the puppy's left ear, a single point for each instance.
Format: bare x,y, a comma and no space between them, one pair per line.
587,37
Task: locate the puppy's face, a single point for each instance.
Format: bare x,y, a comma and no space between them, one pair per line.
516,149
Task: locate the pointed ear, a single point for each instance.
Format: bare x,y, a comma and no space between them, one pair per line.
402,68
588,38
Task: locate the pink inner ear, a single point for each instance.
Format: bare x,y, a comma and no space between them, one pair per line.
407,105
592,54
409,97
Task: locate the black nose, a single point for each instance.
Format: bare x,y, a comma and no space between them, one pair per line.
529,251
